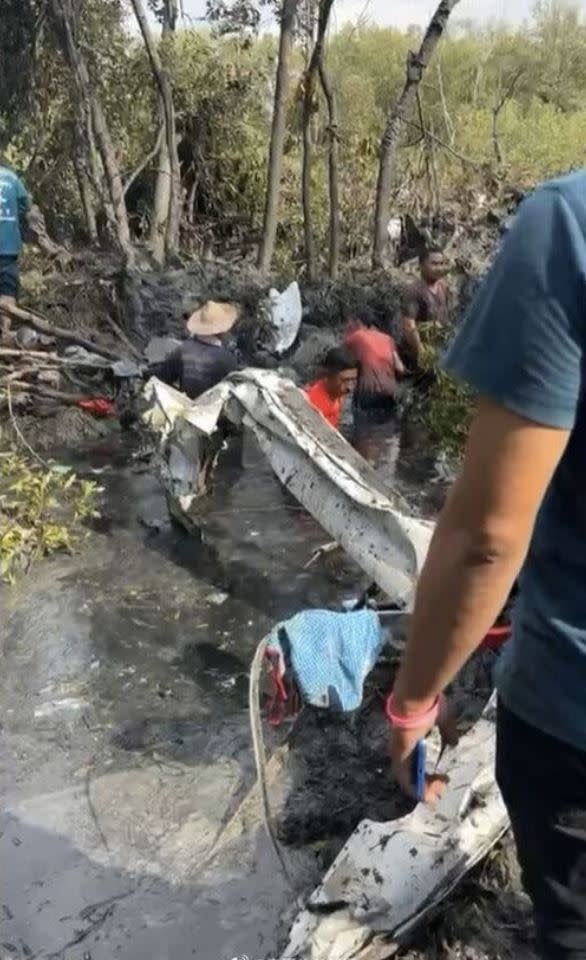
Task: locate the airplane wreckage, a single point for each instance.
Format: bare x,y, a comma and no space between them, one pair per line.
388,875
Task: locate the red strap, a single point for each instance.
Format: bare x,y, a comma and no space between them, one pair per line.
495,637
99,406
285,701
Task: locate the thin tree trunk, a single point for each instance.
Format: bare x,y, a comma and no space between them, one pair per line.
416,64
501,102
164,234
172,10
157,241
307,16
450,132
107,154
308,237
86,197
278,129
430,164
498,153
333,174
64,20
309,101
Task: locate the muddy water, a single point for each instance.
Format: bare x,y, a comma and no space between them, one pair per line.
126,753
125,742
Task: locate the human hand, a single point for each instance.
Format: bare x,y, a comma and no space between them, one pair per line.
402,745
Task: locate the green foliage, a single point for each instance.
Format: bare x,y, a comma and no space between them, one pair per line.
533,77
223,109
445,410
41,512
446,414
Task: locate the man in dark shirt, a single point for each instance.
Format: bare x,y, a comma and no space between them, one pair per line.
427,300
518,504
203,360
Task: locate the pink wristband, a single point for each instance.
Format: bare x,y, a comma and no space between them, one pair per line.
411,721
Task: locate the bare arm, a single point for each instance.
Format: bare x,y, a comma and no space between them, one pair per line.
412,338
477,551
399,365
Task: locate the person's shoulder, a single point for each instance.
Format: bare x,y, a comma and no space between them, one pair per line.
413,293
570,189
359,341
355,335
8,174
571,185
413,286
381,336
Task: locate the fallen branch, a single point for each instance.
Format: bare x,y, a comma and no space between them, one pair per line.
17,374
121,334
51,359
43,391
43,326
19,432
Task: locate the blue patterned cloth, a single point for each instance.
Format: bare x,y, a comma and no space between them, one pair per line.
329,654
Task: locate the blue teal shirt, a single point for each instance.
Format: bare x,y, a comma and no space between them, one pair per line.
523,345
14,203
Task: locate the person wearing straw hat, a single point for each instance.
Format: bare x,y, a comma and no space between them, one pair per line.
202,360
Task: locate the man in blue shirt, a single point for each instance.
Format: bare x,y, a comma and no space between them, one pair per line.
14,205
519,504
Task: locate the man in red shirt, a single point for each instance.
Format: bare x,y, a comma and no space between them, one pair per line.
338,380
379,365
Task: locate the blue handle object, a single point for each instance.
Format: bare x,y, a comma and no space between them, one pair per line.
418,770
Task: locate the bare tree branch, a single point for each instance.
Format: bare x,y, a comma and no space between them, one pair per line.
416,64
167,215
508,93
309,104
334,140
278,131
478,164
64,18
150,156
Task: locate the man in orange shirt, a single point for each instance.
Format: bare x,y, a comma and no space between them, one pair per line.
338,380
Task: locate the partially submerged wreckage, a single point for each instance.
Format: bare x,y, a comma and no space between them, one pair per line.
389,875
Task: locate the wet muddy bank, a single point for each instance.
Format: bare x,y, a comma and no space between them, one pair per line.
126,750
126,747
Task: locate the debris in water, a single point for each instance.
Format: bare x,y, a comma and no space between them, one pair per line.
218,597
52,707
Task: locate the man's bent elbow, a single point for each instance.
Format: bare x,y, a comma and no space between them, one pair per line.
483,543
493,544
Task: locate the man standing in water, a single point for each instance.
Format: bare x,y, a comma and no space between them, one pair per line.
337,381
427,300
379,365
518,502
374,404
203,360
14,205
